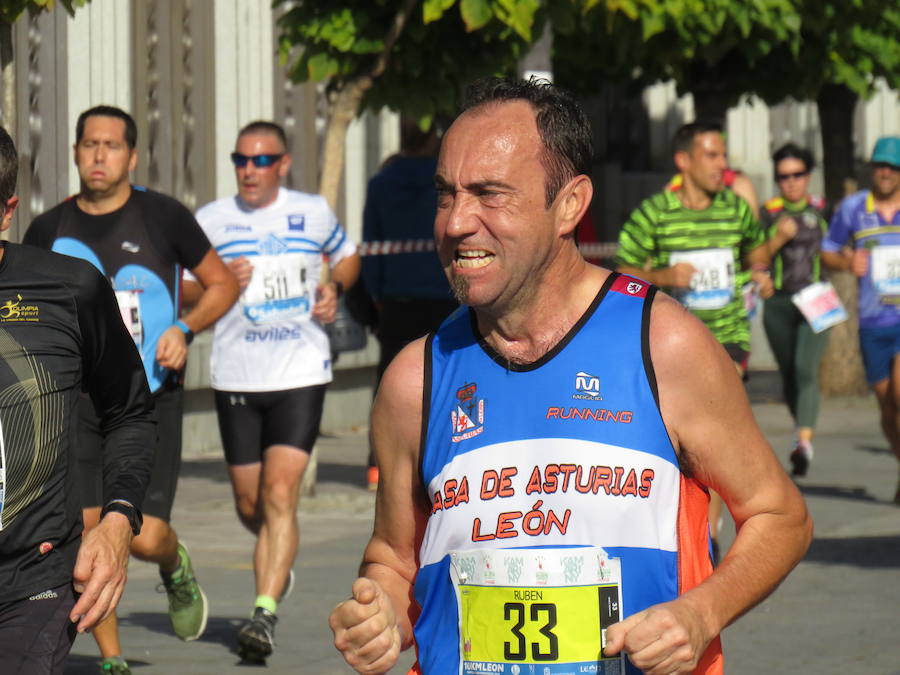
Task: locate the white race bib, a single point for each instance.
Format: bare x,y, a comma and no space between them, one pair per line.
543,611
820,305
712,286
130,309
280,288
885,262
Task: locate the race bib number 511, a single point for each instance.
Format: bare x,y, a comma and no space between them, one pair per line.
523,608
279,289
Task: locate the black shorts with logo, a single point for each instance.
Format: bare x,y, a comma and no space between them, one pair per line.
36,634
250,422
168,412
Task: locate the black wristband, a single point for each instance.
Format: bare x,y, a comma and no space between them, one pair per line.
135,518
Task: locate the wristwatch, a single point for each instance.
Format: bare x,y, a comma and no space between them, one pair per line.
127,509
184,328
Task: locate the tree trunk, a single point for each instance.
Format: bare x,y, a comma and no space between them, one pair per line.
345,106
841,371
342,111
710,105
836,104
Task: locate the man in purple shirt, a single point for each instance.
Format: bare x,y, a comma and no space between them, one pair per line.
864,237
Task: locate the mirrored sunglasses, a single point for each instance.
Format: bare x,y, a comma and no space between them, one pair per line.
259,161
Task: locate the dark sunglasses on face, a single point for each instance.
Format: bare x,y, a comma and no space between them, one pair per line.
259,161
885,165
796,176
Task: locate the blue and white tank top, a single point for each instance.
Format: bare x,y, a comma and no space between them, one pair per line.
569,451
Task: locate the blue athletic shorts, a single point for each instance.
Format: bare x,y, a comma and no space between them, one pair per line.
878,347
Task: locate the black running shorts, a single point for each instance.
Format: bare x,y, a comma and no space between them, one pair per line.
36,634
250,422
169,407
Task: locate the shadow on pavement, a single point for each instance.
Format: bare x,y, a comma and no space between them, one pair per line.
869,552
79,664
880,450
219,629
836,491
214,470
350,474
210,469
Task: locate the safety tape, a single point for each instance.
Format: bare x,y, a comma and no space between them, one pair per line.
593,249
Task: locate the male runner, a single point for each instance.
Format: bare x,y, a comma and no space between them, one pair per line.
271,359
864,237
545,455
140,240
60,332
702,244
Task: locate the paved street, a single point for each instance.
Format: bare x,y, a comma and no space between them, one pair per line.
837,613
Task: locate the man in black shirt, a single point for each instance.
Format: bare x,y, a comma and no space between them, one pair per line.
141,240
61,333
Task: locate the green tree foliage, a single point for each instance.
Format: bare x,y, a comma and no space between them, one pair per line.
10,10
829,51
770,48
444,44
690,42
413,57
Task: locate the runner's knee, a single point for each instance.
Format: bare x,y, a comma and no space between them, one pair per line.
280,496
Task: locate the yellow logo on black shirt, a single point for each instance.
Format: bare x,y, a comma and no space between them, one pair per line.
16,311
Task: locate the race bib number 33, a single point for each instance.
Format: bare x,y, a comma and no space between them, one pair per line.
550,618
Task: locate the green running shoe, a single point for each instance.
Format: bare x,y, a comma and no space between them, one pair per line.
187,602
114,665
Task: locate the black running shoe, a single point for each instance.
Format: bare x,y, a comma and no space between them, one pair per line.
256,638
800,460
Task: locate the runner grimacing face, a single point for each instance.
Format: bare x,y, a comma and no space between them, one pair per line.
493,229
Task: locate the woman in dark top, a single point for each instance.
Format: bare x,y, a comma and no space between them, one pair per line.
795,226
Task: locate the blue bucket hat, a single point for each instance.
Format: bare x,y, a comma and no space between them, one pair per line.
887,151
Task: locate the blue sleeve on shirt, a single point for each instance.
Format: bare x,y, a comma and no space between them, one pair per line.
840,228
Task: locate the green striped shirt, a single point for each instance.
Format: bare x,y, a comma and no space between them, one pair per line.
662,225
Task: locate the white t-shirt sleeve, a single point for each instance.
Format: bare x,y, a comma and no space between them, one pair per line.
337,245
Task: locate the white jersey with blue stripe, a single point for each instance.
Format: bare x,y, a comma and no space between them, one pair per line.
269,341
570,451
